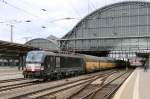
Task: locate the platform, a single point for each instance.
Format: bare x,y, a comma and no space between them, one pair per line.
137,86
10,73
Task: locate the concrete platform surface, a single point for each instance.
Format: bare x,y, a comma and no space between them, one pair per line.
10,73
137,86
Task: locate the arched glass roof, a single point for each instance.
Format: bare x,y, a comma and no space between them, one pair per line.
123,25
43,44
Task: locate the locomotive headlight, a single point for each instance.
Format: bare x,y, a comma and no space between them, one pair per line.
42,67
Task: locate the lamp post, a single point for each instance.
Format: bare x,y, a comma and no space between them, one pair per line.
11,32
12,28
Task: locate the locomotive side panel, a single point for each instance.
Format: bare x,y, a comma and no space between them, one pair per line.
71,65
70,62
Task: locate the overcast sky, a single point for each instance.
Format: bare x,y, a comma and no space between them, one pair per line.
44,13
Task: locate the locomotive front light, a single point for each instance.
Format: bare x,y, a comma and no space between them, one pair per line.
42,67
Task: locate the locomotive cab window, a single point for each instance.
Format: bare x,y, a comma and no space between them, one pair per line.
34,57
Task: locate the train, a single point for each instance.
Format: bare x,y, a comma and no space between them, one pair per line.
137,61
49,65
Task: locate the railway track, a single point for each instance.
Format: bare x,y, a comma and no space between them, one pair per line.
62,88
103,91
66,87
11,80
79,88
16,84
41,90
99,88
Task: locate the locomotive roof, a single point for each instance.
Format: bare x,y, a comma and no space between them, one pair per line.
76,55
59,54
44,52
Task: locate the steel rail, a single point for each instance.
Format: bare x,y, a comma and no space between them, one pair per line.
50,88
13,86
63,89
90,95
114,91
103,79
11,80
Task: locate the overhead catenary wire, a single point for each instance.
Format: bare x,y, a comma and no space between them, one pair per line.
62,19
20,9
88,6
92,4
66,18
75,10
25,2
13,6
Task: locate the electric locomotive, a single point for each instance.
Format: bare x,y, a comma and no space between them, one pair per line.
48,65
45,65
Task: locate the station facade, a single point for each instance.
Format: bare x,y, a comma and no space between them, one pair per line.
123,26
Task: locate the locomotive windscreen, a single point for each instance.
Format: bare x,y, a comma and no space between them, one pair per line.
34,56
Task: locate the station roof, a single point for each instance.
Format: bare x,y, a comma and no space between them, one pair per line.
43,43
9,48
